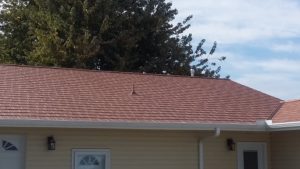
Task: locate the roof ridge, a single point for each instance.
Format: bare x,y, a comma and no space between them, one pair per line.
109,71
289,101
276,111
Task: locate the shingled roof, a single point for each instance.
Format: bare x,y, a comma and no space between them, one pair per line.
288,112
57,94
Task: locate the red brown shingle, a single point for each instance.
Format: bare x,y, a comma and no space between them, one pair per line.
288,112
68,94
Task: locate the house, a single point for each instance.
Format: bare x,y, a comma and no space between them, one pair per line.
80,119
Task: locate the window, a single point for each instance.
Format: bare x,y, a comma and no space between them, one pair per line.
7,146
91,159
250,160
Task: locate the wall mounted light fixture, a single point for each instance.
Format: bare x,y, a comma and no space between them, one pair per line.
231,144
51,143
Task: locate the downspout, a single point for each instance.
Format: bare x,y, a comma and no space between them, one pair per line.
201,146
201,155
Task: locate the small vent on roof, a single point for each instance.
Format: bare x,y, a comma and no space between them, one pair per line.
133,92
192,72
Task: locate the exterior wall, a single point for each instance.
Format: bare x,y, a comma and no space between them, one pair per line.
133,149
216,155
285,147
129,149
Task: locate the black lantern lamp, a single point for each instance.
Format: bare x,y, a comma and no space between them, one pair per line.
230,144
51,143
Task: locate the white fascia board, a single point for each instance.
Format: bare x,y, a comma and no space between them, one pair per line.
131,125
283,126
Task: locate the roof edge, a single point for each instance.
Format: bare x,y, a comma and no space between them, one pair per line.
111,71
276,111
289,101
286,126
133,125
256,90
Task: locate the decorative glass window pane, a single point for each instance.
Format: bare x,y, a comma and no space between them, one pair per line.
91,159
8,146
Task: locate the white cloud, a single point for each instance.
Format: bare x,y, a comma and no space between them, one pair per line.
290,47
277,77
252,23
241,21
280,65
279,85
276,66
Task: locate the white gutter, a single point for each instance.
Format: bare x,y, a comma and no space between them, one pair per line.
282,126
263,125
131,125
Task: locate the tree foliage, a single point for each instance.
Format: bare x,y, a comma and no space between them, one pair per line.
123,35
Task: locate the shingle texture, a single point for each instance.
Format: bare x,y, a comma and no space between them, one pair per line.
34,93
288,112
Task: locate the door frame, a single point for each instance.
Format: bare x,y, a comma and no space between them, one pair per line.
259,146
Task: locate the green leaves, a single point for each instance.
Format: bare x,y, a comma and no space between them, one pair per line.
123,35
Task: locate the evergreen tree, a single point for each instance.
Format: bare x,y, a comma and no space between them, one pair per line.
123,35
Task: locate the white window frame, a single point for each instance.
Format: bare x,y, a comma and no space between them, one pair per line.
105,152
259,146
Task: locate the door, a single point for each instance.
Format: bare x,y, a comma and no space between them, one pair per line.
11,152
252,156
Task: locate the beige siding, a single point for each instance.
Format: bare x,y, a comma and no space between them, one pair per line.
218,157
133,149
285,148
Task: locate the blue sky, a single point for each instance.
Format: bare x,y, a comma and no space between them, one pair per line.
260,38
